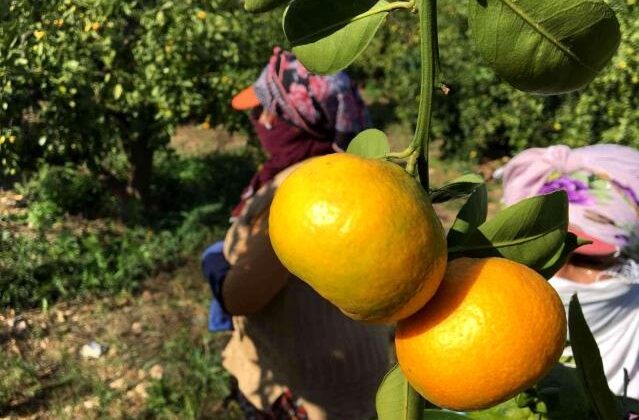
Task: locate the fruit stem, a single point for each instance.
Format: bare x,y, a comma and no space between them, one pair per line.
411,164
404,154
430,63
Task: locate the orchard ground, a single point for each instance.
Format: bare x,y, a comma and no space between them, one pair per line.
158,358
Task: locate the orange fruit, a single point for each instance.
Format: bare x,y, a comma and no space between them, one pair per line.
362,233
494,328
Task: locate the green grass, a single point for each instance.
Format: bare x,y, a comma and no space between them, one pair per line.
51,251
46,268
76,277
193,386
194,383
54,382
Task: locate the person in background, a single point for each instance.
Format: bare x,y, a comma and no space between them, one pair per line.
294,355
602,183
297,115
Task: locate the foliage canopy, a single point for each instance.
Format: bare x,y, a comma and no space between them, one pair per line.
80,79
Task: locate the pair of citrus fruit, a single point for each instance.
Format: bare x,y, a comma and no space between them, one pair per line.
364,235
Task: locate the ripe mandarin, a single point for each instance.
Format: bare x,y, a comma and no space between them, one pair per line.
362,233
494,328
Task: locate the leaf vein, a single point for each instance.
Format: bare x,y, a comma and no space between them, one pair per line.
544,33
505,243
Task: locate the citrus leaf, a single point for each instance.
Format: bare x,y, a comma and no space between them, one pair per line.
554,263
630,405
458,188
509,409
590,366
259,6
396,399
563,394
472,214
328,35
545,46
371,143
532,232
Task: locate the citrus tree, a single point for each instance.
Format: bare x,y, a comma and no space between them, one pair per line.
488,327
484,116
82,78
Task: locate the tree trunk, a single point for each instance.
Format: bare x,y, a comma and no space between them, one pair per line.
140,154
138,143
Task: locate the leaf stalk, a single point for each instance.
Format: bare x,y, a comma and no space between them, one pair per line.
429,51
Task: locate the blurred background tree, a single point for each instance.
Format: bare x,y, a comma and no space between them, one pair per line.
105,82
84,80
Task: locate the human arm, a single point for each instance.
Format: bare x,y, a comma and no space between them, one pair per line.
256,276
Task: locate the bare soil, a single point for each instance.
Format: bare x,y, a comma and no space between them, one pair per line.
133,332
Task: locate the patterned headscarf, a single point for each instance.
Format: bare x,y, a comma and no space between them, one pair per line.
324,106
602,182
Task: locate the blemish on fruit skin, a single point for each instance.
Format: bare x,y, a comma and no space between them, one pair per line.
346,226
464,326
322,213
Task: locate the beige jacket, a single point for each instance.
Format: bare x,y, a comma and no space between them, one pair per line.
299,340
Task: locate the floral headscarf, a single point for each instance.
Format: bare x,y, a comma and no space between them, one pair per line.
324,106
602,182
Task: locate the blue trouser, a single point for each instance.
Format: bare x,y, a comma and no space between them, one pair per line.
214,268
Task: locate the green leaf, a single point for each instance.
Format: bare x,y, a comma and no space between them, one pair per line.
434,414
532,232
553,264
396,399
259,6
630,405
328,35
458,188
545,46
589,365
472,214
563,394
370,143
4,9
509,409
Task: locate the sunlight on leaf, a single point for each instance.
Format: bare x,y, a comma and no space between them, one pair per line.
328,35
396,399
458,188
370,143
532,232
545,46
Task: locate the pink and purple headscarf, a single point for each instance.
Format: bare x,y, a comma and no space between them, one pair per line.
602,182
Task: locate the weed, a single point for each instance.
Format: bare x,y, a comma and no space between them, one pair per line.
194,382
